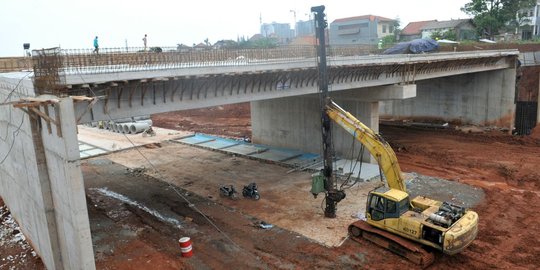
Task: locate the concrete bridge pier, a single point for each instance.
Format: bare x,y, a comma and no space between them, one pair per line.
41,179
294,122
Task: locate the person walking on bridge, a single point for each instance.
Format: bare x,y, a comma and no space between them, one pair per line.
96,45
144,42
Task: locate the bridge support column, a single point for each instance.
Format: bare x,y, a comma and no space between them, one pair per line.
294,123
65,189
41,181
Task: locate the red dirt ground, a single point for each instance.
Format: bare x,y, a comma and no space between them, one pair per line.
505,166
227,120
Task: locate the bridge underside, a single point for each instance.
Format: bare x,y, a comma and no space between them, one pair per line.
124,98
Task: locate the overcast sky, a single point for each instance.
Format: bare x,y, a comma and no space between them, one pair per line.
75,23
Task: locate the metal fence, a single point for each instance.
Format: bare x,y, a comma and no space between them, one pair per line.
10,64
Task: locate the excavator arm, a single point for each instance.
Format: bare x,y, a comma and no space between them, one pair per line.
373,142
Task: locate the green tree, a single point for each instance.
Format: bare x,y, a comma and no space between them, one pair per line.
436,35
265,42
388,41
450,35
492,15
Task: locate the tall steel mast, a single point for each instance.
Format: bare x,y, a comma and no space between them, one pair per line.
332,195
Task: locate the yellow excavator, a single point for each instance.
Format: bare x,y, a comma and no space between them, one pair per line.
408,227
392,217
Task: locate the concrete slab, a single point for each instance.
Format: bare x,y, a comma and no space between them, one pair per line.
196,139
303,160
276,155
220,144
209,141
95,152
367,171
84,147
245,149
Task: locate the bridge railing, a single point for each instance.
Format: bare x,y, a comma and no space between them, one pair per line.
107,60
52,65
133,59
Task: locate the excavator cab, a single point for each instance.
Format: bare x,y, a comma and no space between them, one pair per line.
385,203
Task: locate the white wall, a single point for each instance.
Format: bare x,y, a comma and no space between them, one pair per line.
20,186
45,192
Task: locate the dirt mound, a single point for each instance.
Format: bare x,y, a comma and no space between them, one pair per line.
227,120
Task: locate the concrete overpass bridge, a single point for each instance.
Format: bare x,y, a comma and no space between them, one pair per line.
41,177
282,86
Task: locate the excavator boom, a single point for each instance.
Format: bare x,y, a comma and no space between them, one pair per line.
374,143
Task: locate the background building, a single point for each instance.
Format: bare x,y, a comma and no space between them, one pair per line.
413,30
305,28
464,29
367,29
281,31
528,20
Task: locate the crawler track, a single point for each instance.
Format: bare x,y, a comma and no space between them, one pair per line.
403,247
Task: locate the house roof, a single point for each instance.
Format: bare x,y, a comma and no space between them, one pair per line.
445,24
200,45
256,37
305,40
415,28
363,17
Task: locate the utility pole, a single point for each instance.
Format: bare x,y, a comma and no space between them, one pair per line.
332,195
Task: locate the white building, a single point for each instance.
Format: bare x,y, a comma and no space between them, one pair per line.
529,22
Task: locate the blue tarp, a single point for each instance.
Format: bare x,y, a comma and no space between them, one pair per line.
414,46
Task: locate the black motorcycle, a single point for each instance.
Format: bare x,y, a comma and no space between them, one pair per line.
228,191
250,191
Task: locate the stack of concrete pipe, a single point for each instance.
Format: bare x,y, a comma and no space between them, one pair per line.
133,125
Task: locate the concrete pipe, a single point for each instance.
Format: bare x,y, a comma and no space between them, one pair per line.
117,128
147,121
138,127
123,120
125,128
112,126
140,118
106,125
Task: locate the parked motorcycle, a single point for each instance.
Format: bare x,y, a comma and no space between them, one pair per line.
228,191
250,191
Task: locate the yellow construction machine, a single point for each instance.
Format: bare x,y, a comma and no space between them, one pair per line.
392,217
393,220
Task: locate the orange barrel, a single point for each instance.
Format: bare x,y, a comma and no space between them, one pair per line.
185,247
